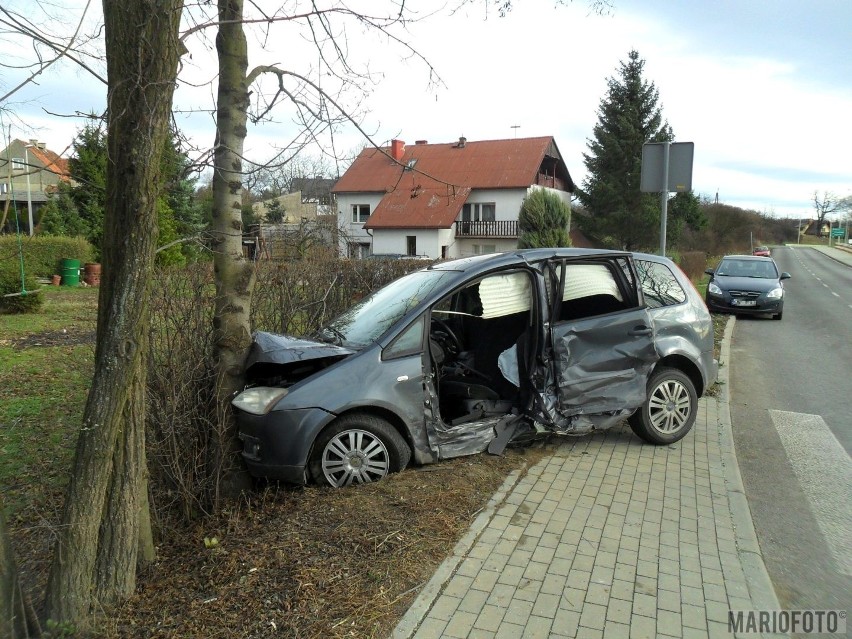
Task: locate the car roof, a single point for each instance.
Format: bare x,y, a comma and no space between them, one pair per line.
757,258
491,261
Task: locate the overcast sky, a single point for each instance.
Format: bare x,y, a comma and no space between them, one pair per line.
763,88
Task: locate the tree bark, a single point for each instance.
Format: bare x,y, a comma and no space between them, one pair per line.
100,523
16,618
235,275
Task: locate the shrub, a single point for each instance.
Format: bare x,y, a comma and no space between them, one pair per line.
693,264
42,254
10,284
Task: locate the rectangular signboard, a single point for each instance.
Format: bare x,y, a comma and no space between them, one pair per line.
680,167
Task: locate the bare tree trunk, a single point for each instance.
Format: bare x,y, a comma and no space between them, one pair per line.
235,275
16,618
100,523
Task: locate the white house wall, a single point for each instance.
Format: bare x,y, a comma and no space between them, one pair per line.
428,241
349,230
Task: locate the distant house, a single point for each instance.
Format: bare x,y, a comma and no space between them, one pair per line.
294,224
444,200
29,174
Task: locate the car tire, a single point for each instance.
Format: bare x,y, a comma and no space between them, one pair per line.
357,449
669,410
778,316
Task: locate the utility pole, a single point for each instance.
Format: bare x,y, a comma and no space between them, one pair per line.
29,192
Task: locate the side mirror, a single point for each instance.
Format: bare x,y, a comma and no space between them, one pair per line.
709,271
785,276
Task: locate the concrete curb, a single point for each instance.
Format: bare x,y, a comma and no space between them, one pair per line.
426,599
759,585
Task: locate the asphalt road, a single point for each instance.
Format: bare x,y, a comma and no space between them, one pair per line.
791,410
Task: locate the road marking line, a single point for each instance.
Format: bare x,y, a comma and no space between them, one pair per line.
824,471
835,294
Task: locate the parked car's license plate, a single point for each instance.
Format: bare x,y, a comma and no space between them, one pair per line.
743,302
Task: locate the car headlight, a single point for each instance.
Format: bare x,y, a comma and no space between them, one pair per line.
712,288
775,294
258,400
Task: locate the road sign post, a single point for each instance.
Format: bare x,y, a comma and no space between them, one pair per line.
666,167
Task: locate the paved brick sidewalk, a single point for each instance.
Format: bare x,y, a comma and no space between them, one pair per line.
608,537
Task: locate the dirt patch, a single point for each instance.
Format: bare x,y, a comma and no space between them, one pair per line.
64,337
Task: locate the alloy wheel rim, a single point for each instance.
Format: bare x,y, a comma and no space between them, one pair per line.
669,407
354,457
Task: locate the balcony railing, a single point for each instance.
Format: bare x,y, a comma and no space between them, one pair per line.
551,181
490,229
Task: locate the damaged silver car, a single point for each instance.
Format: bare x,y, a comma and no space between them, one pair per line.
472,354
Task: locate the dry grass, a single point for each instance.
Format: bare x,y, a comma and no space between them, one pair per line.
312,562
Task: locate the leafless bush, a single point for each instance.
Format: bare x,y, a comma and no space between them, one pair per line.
693,264
297,297
294,297
181,411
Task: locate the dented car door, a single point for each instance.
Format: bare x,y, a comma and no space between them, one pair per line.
601,343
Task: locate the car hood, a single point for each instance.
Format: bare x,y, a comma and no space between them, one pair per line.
761,284
269,348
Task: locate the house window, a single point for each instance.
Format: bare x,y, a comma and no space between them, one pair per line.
411,244
358,251
360,213
18,164
477,212
483,249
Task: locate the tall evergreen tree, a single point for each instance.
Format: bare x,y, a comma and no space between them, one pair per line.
629,116
88,167
179,215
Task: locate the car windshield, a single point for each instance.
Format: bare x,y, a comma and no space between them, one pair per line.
368,320
747,268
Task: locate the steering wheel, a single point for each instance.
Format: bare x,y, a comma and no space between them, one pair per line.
455,342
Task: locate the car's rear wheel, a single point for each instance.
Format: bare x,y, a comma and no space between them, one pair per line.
357,449
669,410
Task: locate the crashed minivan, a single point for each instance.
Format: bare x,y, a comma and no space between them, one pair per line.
476,353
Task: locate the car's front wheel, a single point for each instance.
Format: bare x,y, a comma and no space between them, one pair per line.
357,449
669,410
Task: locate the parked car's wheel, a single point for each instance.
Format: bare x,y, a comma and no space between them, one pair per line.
357,449
669,410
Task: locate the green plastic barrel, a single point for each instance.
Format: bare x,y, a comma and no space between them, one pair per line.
70,271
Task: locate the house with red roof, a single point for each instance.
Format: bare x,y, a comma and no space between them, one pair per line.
29,174
444,200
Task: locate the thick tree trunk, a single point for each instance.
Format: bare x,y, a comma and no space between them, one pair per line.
235,275
16,620
97,531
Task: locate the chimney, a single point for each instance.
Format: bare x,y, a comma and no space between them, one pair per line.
397,149
462,142
421,142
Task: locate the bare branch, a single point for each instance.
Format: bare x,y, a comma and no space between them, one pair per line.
19,25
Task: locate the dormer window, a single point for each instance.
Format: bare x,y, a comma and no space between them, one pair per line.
411,164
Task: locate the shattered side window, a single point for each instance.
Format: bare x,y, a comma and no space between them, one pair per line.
659,284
